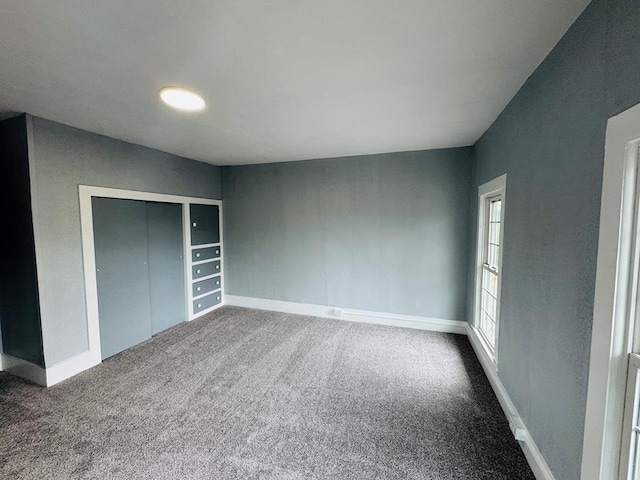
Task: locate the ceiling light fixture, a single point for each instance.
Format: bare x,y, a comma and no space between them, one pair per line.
182,99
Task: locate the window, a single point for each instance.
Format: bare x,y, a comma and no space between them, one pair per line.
629,462
611,448
489,255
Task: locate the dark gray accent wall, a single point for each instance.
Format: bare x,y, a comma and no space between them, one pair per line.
550,142
19,304
386,233
63,158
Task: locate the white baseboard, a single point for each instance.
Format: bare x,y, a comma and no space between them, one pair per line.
363,316
47,377
22,368
71,367
536,461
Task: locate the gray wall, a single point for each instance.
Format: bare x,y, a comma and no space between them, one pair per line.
63,158
19,307
550,142
387,233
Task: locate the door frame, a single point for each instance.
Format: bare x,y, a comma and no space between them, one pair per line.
614,303
86,193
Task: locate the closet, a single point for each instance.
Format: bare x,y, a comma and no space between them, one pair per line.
152,272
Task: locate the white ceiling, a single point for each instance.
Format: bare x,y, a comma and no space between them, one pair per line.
284,79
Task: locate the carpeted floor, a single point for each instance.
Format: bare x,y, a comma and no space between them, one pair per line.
248,394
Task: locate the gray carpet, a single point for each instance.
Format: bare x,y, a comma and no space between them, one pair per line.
248,394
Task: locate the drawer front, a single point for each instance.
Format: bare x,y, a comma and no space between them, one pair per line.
205,269
205,286
207,302
200,254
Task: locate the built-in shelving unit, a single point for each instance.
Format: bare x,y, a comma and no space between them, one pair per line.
204,259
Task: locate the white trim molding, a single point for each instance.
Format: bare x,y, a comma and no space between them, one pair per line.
613,310
89,267
23,369
363,316
536,461
48,377
71,367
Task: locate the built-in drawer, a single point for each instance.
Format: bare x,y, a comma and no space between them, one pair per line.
207,302
205,286
205,269
200,254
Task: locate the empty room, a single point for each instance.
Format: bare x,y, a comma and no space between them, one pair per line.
320,240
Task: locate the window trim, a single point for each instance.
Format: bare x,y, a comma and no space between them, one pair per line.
611,334
486,192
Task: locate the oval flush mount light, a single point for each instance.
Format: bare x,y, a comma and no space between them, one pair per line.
182,99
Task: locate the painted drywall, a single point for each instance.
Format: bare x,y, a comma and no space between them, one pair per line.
19,307
550,142
385,233
61,159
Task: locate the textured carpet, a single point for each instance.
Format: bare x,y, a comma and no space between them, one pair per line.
251,394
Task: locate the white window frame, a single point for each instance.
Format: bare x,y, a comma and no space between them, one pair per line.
615,302
494,188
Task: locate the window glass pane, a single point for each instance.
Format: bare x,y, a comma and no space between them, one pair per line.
489,288
485,323
495,207
491,333
634,460
493,232
493,255
492,284
635,469
489,305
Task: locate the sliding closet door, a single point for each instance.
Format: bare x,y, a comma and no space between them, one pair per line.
166,265
120,238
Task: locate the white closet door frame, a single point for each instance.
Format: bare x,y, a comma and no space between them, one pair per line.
86,193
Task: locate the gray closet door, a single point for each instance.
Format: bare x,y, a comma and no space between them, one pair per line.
166,265
120,237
